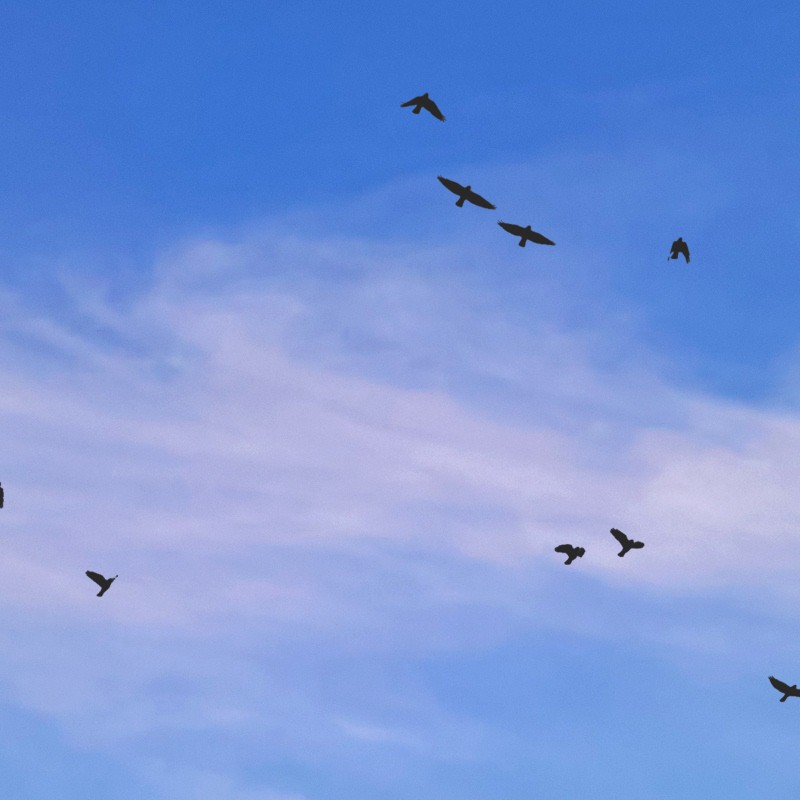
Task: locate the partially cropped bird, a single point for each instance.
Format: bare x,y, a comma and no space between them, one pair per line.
465,193
103,583
570,552
679,247
423,101
526,234
785,689
627,544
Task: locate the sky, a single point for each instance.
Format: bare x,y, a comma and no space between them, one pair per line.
327,427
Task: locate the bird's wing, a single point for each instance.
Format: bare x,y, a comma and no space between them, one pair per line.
433,108
516,230
780,685
538,238
684,248
96,577
412,102
564,548
477,200
455,188
620,536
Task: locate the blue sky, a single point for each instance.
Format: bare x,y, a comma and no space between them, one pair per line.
327,427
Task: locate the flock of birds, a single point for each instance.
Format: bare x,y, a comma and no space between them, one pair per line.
467,195
526,234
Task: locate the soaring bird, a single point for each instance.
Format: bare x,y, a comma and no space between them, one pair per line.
423,101
103,583
788,691
465,193
571,552
526,234
627,544
679,247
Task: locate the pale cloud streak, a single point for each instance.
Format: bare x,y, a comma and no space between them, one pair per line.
274,459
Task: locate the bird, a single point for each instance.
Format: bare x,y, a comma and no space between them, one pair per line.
571,552
103,583
423,101
526,234
679,247
465,193
788,691
627,544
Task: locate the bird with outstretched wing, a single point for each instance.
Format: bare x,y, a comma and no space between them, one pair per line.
525,234
570,552
103,583
465,193
423,101
784,688
627,544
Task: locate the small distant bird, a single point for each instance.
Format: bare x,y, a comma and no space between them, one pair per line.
465,193
627,544
571,552
423,101
2,496
788,691
103,583
526,234
679,247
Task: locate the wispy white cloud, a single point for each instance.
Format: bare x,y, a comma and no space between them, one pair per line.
290,446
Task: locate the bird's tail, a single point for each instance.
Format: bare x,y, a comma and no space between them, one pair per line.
522,242
783,699
460,201
416,109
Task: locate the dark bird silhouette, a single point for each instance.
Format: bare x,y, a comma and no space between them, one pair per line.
465,193
103,583
627,544
525,234
571,552
2,496
423,101
679,247
785,689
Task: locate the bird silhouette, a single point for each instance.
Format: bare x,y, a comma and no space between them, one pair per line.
2,496
103,583
571,552
423,101
785,689
465,193
525,234
679,247
627,544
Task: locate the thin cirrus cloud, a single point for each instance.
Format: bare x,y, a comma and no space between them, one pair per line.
361,457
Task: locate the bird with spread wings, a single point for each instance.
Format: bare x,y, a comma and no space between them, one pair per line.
627,544
423,101
103,583
570,552
525,234
465,193
784,688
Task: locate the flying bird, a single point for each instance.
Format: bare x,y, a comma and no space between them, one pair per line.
103,583
785,689
423,101
627,544
526,234
465,193
571,552
679,247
